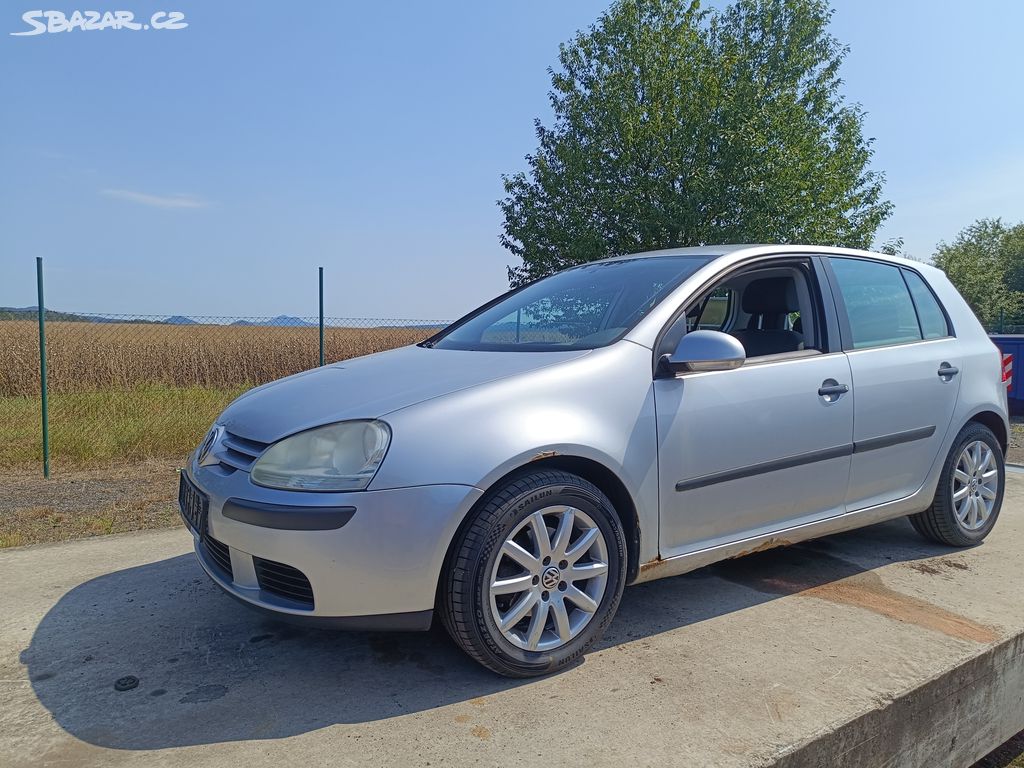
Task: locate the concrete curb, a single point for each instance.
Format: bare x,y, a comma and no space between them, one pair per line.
954,719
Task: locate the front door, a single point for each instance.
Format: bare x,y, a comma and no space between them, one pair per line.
765,446
751,450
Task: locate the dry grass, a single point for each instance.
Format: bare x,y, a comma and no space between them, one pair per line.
84,357
80,503
110,426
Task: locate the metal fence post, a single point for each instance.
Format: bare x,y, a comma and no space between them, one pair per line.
321,316
1002,319
42,368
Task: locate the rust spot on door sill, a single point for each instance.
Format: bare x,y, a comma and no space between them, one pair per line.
652,565
771,543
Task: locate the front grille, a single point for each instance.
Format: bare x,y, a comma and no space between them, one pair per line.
219,553
234,452
283,580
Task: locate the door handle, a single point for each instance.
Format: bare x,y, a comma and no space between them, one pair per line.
948,370
829,390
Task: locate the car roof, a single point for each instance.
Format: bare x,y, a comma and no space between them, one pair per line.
738,252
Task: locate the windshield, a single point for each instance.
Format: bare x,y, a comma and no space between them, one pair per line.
581,308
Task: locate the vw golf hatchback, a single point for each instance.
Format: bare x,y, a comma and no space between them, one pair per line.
617,422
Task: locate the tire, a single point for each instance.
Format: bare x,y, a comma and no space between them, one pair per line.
479,563
941,522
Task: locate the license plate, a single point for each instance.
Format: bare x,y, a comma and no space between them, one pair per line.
194,505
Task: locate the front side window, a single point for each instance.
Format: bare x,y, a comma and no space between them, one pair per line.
581,308
771,309
933,319
878,303
713,312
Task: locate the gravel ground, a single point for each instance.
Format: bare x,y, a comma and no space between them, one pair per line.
75,504
1016,453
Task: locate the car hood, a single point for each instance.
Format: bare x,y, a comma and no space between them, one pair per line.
370,387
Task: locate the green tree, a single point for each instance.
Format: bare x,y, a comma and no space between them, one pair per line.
676,125
986,264
893,247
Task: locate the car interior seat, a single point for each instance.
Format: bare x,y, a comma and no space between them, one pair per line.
768,301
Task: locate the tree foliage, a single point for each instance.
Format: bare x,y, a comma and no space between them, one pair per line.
986,264
675,125
893,247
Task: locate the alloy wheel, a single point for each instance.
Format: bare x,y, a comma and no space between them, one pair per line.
975,485
549,578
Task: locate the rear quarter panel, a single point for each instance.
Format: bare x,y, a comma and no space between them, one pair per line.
981,386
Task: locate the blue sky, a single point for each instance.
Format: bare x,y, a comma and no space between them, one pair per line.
210,170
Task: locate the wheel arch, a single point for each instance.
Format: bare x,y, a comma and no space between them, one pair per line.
994,422
607,481
611,486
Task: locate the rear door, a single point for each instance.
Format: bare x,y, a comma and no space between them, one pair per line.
905,369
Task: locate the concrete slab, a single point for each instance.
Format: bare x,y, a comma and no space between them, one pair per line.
868,648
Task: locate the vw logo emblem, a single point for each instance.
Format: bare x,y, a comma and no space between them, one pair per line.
550,578
207,446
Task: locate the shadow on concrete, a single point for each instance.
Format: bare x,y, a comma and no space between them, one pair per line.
210,670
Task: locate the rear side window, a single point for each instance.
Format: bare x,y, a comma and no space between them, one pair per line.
878,303
933,319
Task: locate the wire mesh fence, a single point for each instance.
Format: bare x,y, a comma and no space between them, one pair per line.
126,387
1006,324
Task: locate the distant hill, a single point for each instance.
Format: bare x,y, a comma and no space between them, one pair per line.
282,321
290,321
31,313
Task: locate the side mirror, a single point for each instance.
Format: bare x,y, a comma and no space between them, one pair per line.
705,351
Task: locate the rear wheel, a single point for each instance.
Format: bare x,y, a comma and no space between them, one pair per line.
536,575
970,491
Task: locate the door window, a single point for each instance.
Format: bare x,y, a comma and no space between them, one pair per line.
771,308
713,312
933,319
878,303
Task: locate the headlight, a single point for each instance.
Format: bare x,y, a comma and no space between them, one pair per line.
338,457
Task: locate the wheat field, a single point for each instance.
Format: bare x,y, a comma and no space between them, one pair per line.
87,357
131,391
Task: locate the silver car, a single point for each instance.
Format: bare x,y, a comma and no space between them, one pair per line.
617,422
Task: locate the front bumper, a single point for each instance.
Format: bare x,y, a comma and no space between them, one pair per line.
379,569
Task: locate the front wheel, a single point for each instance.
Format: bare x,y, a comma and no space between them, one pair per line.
535,575
970,491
